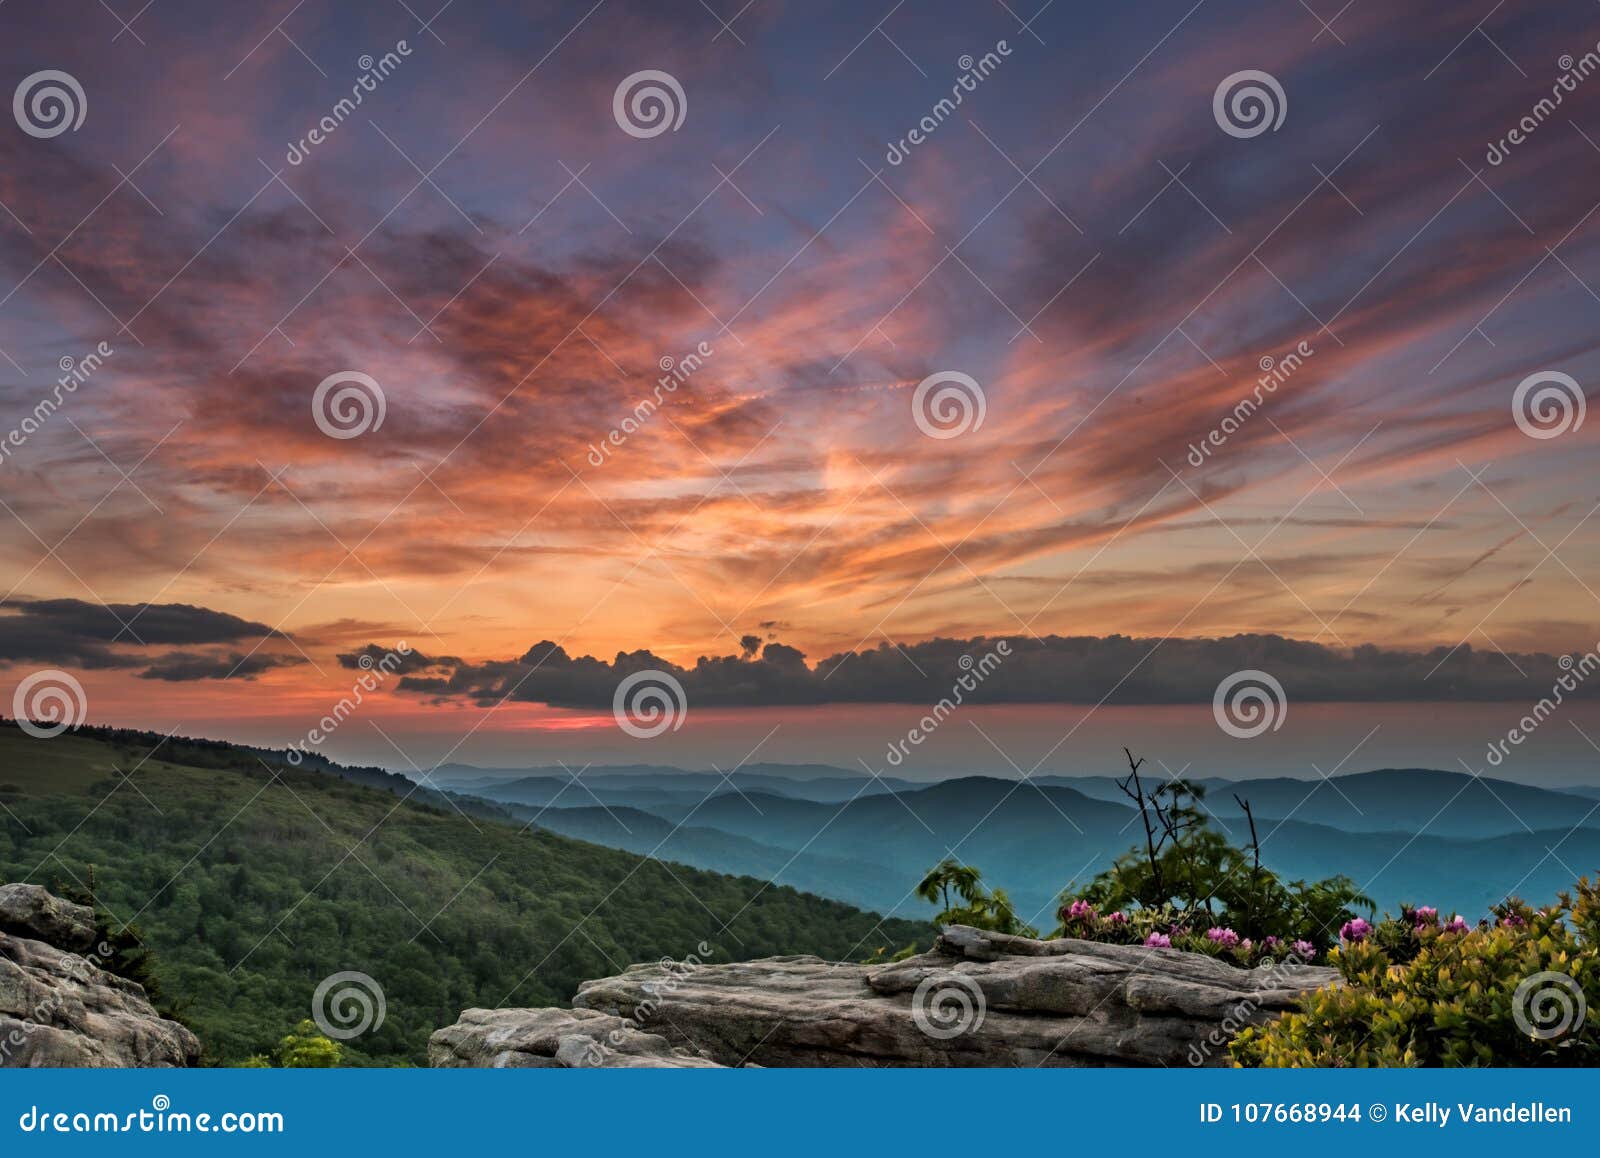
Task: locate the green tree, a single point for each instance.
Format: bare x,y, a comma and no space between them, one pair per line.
304,1049
1187,868
946,875
981,908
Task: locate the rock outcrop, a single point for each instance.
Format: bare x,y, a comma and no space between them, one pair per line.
59,1008
554,1039
976,999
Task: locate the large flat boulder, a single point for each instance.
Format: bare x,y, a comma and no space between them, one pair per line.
976,999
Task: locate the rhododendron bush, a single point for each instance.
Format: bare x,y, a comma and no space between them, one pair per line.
1186,886
1419,991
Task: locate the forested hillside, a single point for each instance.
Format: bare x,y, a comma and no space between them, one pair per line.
251,882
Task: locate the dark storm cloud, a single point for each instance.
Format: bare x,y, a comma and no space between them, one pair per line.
1115,669
393,660
139,623
186,666
73,633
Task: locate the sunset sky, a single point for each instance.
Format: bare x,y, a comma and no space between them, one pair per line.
1081,238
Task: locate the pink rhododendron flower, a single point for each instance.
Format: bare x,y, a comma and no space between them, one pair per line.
1080,911
1117,918
1457,924
1424,916
1512,921
1304,949
1355,931
1158,941
1225,937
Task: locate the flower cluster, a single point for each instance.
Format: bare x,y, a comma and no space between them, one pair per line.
1171,928
1355,931
1079,912
1508,991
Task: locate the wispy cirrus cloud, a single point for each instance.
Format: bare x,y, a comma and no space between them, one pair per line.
517,305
